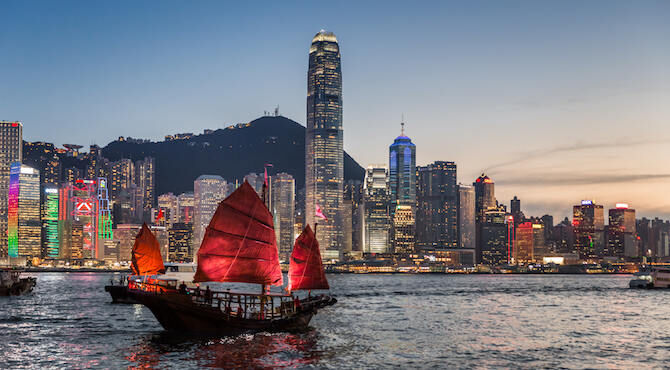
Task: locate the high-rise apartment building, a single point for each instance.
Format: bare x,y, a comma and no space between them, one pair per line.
145,180
437,206
24,221
493,246
179,245
208,191
11,149
121,175
283,209
621,232
377,217
324,154
588,222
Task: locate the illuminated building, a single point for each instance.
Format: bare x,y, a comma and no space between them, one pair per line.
353,216
484,196
43,157
588,222
124,236
84,212
50,237
324,155
11,150
621,232
120,177
493,244
24,224
185,202
168,209
71,174
145,180
104,222
466,217
403,230
283,209
377,221
402,171
539,242
209,190
524,244
437,210
94,165
179,245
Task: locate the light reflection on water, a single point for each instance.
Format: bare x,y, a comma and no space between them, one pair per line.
379,321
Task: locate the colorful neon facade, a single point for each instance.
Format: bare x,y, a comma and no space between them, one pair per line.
50,221
13,211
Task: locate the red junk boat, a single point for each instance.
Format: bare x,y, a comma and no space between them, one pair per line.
146,261
239,246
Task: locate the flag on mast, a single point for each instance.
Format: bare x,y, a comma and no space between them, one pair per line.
319,213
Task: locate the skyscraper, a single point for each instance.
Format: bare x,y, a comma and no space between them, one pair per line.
404,230
437,206
11,149
50,237
377,221
145,180
24,224
120,177
168,208
402,171
466,217
208,191
588,221
283,209
621,232
324,156
484,196
354,215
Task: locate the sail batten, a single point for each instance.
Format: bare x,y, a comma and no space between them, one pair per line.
146,254
240,243
305,269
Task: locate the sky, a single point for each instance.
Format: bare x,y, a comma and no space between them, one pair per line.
556,101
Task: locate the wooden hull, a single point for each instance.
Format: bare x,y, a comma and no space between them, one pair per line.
178,313
23,286
121,294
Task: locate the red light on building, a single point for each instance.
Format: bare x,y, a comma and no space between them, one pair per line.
15,124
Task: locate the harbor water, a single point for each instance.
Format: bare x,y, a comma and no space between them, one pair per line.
380,321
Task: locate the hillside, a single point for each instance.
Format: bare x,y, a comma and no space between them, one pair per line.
230,153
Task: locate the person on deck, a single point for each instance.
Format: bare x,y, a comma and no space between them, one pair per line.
208,295
182,288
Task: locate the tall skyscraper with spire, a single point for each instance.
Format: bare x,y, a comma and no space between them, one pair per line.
402,170
324,155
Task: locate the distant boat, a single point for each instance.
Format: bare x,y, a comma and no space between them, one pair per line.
654,277
239,246
146,261
11,283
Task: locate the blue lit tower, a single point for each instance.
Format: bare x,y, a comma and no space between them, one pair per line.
324,155
402,171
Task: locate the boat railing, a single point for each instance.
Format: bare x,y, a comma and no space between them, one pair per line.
233,304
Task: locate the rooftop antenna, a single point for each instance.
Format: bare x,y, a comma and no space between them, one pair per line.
402,125
277,111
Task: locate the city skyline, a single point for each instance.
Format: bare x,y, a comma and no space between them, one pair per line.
531,118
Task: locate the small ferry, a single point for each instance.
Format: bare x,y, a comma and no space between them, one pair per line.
240,246
654,277
11,283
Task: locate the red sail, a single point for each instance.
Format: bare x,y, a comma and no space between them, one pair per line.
305,270
146,254
239,244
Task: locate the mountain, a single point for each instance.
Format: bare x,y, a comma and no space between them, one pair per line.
230,153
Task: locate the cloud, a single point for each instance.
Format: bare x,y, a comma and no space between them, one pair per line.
559,179
579,146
